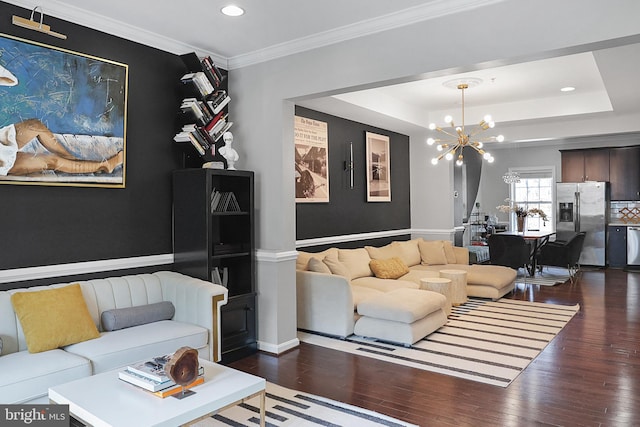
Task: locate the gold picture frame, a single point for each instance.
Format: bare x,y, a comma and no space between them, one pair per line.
62,118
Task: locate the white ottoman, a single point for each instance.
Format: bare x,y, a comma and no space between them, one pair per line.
440,285
458,285
401,316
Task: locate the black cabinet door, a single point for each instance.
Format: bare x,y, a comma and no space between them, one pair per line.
617,246
624,173
238,327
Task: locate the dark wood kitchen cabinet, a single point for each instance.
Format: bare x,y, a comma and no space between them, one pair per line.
624,173
585,165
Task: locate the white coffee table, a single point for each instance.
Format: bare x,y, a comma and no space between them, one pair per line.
105,400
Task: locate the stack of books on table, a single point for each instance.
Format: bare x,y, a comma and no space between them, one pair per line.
149,375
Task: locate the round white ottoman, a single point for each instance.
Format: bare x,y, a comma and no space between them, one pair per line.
458,285
440,285
402,316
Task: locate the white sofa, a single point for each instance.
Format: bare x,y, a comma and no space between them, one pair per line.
327,300
26,377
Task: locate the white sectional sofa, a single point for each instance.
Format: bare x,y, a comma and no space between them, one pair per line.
331,284
135,309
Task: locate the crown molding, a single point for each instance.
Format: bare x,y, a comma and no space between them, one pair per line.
430,10
86,18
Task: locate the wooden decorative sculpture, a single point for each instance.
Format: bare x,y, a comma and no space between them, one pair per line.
182,368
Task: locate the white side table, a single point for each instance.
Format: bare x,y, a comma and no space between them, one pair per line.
439,285
458,285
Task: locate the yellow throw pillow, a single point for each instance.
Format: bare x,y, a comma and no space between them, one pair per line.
392,268
432,252
53,318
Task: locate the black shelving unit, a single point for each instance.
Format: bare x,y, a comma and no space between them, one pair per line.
206,238
191,158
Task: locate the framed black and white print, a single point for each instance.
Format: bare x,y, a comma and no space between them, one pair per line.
378,168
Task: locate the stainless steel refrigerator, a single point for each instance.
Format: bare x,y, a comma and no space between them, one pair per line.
584,206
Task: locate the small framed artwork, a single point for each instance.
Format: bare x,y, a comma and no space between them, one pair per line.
62,117
378,168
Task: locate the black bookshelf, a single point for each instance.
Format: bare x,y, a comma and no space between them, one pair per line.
210,237
204,113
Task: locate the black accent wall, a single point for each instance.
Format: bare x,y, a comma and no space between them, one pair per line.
45,225
348,211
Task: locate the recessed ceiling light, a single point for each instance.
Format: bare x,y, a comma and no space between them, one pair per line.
568,89
232,10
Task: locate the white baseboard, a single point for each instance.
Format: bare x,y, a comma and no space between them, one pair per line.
278,348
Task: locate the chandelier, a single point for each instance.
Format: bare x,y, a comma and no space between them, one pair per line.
454,142
511,177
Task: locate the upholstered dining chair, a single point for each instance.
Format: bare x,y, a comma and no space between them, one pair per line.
564,252
509,251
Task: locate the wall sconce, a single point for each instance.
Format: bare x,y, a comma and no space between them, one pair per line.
348,165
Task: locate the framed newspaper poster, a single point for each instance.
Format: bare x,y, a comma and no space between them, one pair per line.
312,161
378,171
62,117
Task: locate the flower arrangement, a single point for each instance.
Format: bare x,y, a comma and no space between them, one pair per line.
520,211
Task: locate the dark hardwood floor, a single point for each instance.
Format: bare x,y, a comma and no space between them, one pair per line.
589,375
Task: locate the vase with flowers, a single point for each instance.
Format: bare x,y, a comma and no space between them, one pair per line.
521,213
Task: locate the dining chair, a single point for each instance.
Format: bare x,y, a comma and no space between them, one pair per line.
563,253
510,251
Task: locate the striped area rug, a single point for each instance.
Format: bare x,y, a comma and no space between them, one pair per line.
486,341
550,276
286,407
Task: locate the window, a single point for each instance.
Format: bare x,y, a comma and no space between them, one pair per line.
535,190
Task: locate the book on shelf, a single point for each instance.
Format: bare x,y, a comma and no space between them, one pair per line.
199,81
210,66
194,63
224,201
221,132
221,98
197,110
218,120
220,279
194,141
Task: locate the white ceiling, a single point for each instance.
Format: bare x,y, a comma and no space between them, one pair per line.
519,94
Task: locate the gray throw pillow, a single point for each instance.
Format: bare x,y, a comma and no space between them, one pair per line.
120,318
0,345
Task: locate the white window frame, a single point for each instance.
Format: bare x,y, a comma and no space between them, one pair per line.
529,171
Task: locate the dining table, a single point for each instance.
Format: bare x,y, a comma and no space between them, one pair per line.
536,239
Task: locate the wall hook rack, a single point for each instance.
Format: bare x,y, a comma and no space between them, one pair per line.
36,26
